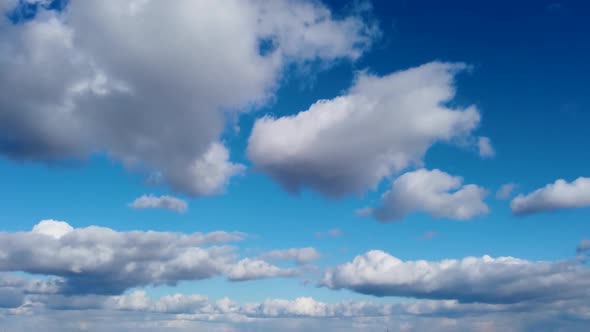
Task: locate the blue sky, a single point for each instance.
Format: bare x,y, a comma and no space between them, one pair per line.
99,101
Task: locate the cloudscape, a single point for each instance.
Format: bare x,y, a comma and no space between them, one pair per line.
294,165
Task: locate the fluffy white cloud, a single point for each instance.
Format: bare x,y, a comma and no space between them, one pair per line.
486,150
107,76
505,191
301,256
162,202
379,127
249,269
472,279
434,192
53,228
554,196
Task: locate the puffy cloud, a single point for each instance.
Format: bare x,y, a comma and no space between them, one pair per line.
434,192
348,144
103,261
486,150
53,228
472,279
249,269
505,191
162,202
554,196
105,76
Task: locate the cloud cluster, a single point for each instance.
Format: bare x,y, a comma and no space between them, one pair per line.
431,191
554,196
348,144
105,76
161,202
98,260
472,279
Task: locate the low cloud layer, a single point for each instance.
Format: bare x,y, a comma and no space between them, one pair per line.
161,202
348,144
434,192
501,280
554,196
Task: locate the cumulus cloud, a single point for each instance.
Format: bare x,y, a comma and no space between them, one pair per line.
486,150
301,256
348,144
471,279
434,192
53,228
250,269
105,76
554,196
162,202
103,261
505,191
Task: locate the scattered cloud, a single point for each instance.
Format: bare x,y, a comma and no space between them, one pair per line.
348,144
250,269
501,280
74,85
506,190
434,192
334,232
554,196
301,256
161,202
486,150
428,235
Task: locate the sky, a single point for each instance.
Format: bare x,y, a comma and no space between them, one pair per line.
308,165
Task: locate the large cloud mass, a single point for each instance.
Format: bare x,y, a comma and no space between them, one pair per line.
110,76
379,127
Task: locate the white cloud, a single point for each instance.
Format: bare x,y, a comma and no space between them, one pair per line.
301,256
554,196
486,150
505,191
379,127
471,279
107,76
53,228
249,269
162,202
434,192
